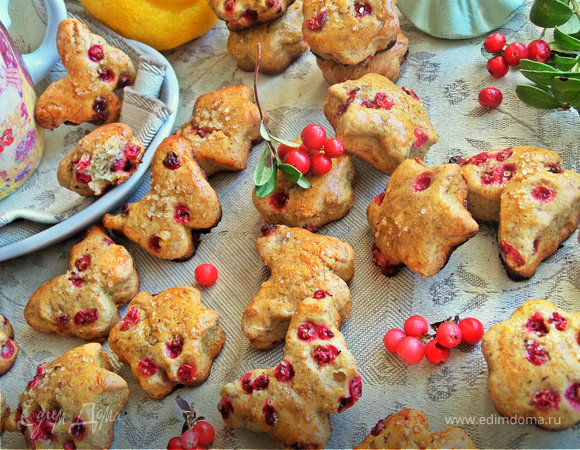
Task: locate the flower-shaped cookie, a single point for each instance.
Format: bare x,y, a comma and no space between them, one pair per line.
409,428
86,94
302,264
242,14
379,122
8,348
180,202
420,219
223,128
72,402
349,32
83,302
168,339
534,369
317,377
105,157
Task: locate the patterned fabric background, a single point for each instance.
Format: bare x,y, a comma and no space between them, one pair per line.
447,75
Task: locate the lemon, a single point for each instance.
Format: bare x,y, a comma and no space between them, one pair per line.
162,24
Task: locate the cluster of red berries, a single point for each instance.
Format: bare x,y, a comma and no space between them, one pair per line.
409,347
315,153
498,65
206,274
202,433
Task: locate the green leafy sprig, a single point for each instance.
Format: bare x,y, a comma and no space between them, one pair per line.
266,172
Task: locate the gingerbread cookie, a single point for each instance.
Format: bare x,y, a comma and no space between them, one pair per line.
105,157
223,128
83,302
168,339
533,366
86,94
317,377
420,219
379,122
409,428
349,32
180,202
8,348
281,42
65,397
385,62
242,14
303,264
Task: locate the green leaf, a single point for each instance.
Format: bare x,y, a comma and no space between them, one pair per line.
270,185
549,13
285,142
264,131
486,54
303,182
564,63
291,172
528,64
567,90
536,97
565,40
544,78
264,167
572,27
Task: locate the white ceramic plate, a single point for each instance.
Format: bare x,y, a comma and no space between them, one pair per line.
170,96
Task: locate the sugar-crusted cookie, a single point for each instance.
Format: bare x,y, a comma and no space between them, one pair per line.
168,339
60,405
302,264
281,42
317,377
105,157
4,411
533,366
224,126
243,14
420,219
180,204
379,122
8,348
349,32
409,428
385,62
83,302
86,94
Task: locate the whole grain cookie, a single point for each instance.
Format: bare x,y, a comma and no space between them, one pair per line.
349,32
105,157
83,302
94,70
243,14
60,405
317,377
409,428
379,122
224,126
302,264
168,339
420,219
385,62
180,204
8,348
533,366
281,42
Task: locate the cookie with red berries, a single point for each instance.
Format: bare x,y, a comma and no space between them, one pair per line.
243,14
409,428
95,70
317,377
302,264
8,348
533,370
104,158
59,406
4,411
379,122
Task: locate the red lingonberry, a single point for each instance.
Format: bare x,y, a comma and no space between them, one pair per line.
284,371
86,317
514,52
559,321
283,149
132,152
392,339
471,330
225,407
96,53
147,367
410,350
320,164
8,350
490,97
172,161
422,181
270,414
205,432
261,382
497,67
543,194
106,75
416,326
130,319
539,50
572,394
182,214
173,348
317,21
536,325
175,443
325,354
206,274
313,136
189,439
334,148
278,200
186,373
78,428
298,159
307,331
436,353
83,263
494,43
449,334
511,253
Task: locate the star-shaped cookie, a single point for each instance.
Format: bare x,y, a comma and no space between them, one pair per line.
8,348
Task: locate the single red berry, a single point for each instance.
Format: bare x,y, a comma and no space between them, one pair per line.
392,339
186,373
539,50
182,214
334,148
436,353
132,152
8,350
497,67
205,432
175,444
283,149
320,164
298,159
416,326
449,334
189,439
313,136
148,367
471,330
514,52
83,263
410,350
96,53
206,274
490,97
494,43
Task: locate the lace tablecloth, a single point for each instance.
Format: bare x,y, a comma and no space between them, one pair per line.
447,75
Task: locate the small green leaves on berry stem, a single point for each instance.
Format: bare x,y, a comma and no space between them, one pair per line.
565,63
264,168
268,187
536,97
285,142
567,91
549,13
565,40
